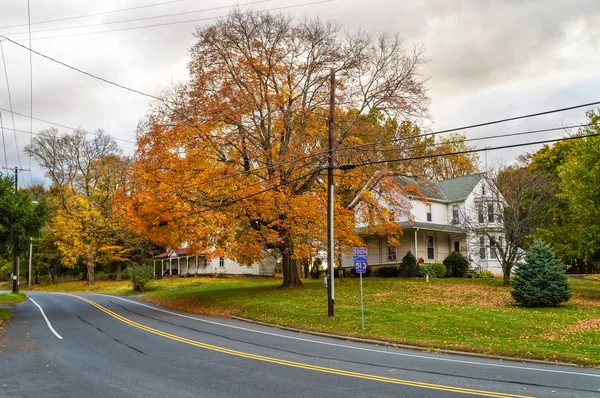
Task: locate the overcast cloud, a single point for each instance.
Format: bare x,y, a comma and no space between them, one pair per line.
488,60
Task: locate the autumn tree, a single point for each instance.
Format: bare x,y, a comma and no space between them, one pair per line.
452,166
233,162
84,173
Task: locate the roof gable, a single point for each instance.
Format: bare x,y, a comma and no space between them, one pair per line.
453,189
461,187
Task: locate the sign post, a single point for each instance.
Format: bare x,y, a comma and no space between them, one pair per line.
360,265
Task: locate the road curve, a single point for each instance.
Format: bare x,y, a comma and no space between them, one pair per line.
118,347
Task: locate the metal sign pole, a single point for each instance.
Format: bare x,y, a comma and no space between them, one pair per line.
362,306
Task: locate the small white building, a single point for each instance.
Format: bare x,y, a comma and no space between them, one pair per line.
178,262
456,216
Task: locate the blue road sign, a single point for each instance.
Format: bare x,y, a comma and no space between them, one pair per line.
360,265
359,252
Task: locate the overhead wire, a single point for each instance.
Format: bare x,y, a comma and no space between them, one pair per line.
138,19
62,125
10,102
5,163
94,14
175,22
30,83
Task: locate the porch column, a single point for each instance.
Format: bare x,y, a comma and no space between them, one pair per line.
170,266
154,262
196,272
416,245
187,265
178,266
162,266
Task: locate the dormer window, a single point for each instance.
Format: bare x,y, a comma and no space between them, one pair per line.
454,214
429,212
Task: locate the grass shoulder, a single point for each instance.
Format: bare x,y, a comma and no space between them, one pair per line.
5,314
12,298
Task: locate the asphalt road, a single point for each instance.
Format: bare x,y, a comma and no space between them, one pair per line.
117,347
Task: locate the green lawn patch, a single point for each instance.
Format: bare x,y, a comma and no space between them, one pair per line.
12,298
5,314
458,314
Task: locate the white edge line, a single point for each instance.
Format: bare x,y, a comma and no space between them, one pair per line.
46,318
404,354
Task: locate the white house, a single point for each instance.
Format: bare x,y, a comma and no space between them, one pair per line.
178,262
453,218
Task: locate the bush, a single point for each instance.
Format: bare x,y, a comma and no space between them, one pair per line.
439,270
388,272
425,269
540,281
140,275
456,265
317,269
408,266
485,274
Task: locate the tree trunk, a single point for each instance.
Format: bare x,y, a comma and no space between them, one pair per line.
118,272
52,272
306,265
37,274
90,268
291,277
506,272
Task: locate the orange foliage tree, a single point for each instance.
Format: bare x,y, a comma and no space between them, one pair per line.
233,163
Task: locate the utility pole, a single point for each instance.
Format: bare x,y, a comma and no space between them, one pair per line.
15,285
30,255
330,200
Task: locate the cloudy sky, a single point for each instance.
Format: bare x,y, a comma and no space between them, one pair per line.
488,60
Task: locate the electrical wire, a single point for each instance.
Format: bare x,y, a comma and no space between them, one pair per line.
486,149
138,19
30,83
95,14
3,141
60,125
175,22
10,102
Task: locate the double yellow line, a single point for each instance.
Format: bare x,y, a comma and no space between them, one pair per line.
298,365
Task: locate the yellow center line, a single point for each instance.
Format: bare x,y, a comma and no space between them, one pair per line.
296,364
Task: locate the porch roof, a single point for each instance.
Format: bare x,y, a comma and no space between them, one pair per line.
431,227
168,253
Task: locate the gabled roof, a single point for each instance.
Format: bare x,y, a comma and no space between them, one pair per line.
452,190
168,253
461,187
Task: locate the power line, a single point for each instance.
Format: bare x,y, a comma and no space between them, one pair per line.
173,23
3,141
10,102
94,14
489,137
84,72
30,80
347,167
138,19
486,149
60,125
470,126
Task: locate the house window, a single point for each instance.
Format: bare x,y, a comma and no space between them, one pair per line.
456,246
500,213
429,212
493,253
490,212
480,213
482,250
430,253
391,207
391,253
221,261
482,190
454,214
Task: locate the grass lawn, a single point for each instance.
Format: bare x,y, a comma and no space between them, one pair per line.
458,314
12,298
5,314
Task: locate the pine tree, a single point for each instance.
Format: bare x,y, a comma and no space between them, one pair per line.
408,266
541,279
